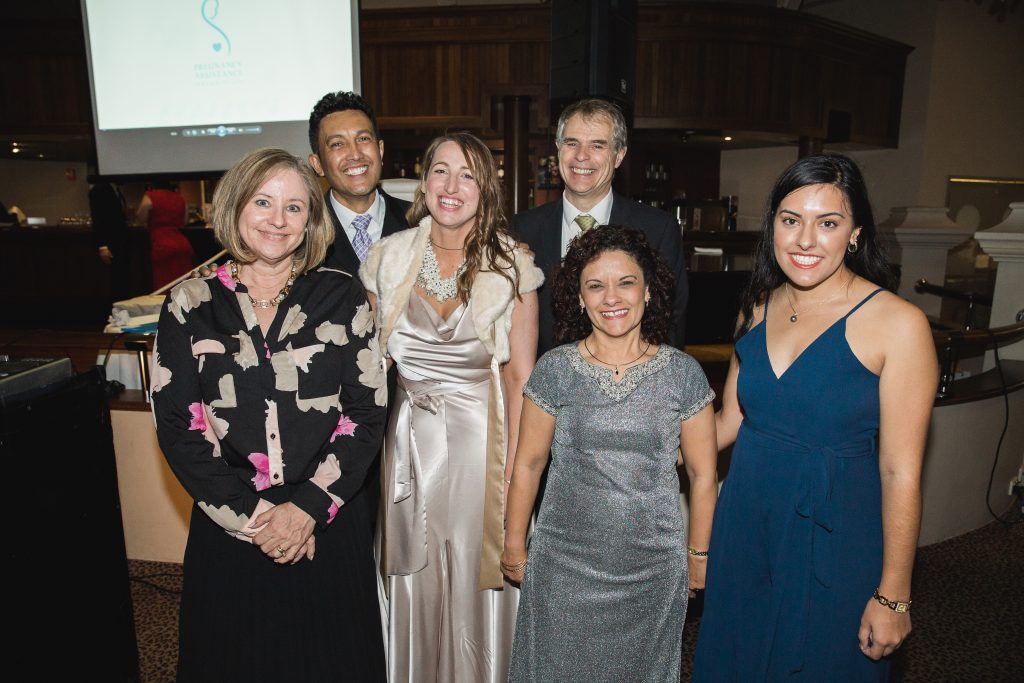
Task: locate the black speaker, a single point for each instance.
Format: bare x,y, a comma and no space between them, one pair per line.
593,52
68,596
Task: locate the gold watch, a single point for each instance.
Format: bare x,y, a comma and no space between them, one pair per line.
895,605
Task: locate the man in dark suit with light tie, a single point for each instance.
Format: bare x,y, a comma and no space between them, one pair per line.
591,141
348,151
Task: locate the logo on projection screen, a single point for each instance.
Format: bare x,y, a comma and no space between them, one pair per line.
208,17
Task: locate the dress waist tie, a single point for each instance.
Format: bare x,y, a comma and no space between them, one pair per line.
815,545
422,418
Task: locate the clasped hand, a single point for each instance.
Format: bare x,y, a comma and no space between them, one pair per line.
882,630
287,534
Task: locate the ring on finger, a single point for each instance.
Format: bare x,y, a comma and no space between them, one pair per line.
281,551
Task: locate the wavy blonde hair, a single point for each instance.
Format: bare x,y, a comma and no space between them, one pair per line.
488,246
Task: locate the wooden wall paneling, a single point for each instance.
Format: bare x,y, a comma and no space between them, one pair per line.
716,67
436,67
45,84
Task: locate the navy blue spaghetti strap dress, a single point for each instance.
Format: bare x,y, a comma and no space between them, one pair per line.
796,547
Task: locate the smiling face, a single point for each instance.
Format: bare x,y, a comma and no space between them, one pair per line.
350,156
272,223
614,293
450,191
587,159
813,226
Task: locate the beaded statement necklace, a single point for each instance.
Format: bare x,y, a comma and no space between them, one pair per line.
429,277
266,303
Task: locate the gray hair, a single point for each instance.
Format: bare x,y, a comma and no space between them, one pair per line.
590,108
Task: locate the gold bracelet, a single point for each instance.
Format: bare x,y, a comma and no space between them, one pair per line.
895,605
514,568
697,553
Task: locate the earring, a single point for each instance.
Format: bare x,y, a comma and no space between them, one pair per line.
851,248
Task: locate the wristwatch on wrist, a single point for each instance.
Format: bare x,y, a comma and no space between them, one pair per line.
895,605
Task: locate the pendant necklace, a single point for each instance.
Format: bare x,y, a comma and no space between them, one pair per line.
789,298
266,303
615,365
429,277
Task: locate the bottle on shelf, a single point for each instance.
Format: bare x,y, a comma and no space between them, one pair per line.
650,192
542,173
417,168
501,169
554,176
677,207
664,188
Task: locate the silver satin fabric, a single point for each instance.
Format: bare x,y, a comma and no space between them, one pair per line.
441,628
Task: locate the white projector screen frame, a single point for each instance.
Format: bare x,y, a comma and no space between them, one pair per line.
190,86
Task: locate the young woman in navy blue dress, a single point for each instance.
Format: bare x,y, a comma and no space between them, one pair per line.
828,400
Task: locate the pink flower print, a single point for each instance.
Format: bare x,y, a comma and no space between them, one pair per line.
268,350
262,464
346,427
224,275
332,511
198,417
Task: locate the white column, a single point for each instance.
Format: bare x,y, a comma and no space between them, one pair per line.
1005,243
923,235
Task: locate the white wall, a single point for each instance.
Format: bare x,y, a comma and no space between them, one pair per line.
40,188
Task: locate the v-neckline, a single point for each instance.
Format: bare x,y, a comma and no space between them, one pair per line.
436,317
803,351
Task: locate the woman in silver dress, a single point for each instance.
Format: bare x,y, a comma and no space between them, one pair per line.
605,586
457,309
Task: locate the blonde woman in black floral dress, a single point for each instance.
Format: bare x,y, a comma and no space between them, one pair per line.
269,408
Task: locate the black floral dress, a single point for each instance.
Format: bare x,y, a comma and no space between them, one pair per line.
247,422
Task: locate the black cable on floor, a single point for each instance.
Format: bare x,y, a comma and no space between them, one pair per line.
1002,435
157,586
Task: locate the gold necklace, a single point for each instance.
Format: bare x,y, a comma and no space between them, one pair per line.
789,298
615,365
438,246
266,303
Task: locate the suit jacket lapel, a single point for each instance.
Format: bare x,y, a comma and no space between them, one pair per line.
549,251
344,256
620,210
394,215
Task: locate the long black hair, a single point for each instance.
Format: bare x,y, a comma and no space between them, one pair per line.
869,261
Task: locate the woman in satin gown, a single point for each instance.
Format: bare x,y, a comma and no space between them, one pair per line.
457,309
828,399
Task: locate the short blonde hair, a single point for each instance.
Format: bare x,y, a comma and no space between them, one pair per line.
240,184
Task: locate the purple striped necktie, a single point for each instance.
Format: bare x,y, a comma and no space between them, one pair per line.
361,242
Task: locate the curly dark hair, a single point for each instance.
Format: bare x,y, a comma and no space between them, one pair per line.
573,324
870,261
334,102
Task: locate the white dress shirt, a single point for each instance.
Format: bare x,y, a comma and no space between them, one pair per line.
347,215
601,212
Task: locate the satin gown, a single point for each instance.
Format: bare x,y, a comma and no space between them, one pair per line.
796,546
441,628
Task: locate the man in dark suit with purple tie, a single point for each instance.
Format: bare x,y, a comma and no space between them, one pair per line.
348,152
591,141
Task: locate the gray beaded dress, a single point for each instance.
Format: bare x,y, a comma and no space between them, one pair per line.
604,595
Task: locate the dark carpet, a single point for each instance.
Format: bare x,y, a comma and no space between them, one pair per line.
968,613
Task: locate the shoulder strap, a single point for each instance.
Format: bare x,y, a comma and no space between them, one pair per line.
862,302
